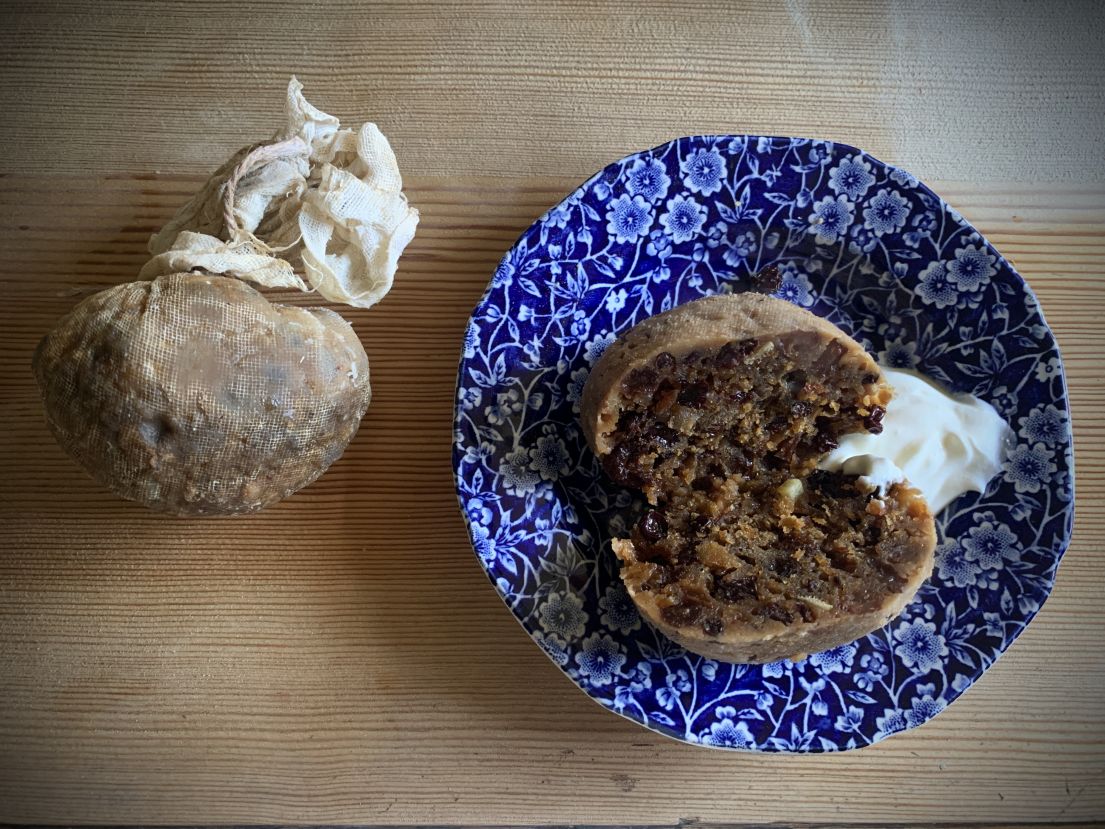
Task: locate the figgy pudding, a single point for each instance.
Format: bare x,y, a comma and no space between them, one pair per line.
719,411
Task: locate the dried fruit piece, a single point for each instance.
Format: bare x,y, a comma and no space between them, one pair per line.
768,280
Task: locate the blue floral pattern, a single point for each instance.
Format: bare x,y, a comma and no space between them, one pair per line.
648,178
684,218
851,177
858,242
704,169
628,218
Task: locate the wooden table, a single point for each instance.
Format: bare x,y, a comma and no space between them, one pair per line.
341,657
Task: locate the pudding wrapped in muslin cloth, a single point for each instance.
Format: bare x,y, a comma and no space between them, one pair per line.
188,391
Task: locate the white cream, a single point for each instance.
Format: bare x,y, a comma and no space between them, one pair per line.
941,444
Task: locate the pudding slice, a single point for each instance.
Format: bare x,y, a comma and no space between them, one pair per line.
719,411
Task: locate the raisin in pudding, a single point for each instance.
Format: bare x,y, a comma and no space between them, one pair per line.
719,411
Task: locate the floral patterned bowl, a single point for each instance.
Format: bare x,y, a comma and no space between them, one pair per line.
859,242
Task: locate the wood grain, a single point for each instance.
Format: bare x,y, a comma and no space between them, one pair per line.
341,657
985,90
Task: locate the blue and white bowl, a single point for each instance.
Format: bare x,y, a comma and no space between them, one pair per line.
858,242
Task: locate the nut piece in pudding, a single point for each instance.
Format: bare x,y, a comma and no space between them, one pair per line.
719,411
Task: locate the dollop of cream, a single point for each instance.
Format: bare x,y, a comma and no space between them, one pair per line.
944,445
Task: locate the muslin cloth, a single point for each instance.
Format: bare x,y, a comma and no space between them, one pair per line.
317,207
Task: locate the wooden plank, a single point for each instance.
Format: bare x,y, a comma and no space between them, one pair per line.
979,91
341,657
